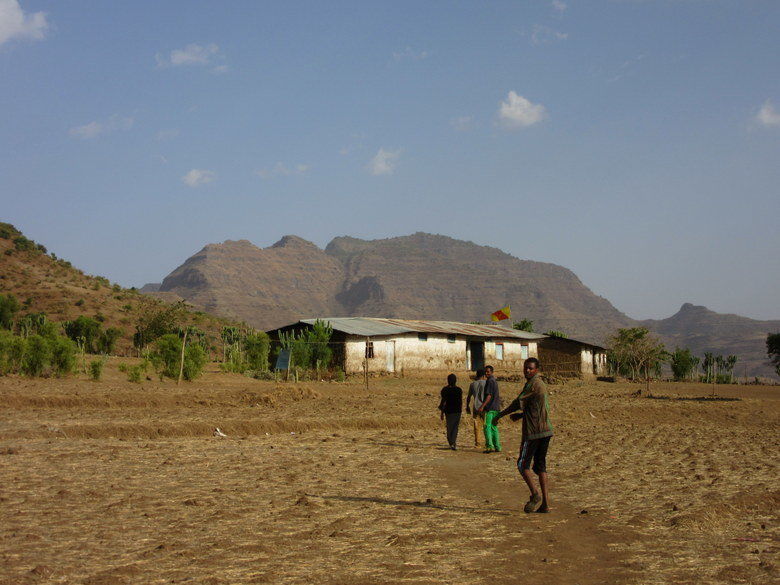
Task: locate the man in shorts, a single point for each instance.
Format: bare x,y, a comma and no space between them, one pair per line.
537,432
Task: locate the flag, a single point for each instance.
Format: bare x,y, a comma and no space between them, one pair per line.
501,314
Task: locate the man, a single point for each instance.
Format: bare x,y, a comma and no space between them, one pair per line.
490,407
537,432
477,391
451,405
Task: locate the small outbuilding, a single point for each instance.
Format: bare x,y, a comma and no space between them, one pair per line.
399,345
568,358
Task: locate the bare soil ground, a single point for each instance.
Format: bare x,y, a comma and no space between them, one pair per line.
110,482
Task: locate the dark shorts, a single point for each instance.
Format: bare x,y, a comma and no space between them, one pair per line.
535,450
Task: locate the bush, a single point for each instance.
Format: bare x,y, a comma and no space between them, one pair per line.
9,305
257,346
84,330
63,355
23,244
108,338
166,358
37,356
96,369
194,361
137,372
123,368
11,352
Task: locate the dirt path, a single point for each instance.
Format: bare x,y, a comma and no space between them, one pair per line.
564,547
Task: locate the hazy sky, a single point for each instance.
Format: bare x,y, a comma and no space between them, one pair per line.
633,142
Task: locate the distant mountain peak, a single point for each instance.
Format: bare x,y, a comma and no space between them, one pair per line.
292,241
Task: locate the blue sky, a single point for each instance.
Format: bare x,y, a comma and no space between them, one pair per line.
633,142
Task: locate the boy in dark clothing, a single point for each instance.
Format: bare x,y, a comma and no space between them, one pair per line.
537,431
451,405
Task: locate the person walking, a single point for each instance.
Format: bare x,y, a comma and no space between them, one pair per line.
451,405
537,432
477,392
490,407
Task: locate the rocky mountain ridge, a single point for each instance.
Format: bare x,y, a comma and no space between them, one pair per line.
426,276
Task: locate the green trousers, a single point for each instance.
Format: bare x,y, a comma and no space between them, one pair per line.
492,440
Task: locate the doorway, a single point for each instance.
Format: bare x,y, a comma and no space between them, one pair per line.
477,353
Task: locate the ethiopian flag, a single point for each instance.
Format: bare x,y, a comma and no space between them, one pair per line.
501,314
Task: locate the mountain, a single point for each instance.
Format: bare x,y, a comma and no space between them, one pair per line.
417,276
702,330
426,276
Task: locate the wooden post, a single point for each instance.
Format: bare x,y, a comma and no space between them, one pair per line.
181,363
365,363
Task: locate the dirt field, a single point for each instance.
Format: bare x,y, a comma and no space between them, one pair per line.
110,482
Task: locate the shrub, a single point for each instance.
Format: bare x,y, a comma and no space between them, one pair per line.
23,244
166,358
9,306
37,356
137,372
63,355
108,338
80,303
123,368
256,347
194,361
83,330
340,376
11,352
96,369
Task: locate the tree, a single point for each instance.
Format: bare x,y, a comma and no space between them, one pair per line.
156,320
554,333
319,338
85,331
524,325
108,338
634,353
166,357
9,305
773,350
683,364
256,349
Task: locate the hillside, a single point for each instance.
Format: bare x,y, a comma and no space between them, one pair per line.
44,283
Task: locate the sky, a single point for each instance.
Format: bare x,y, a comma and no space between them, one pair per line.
633,142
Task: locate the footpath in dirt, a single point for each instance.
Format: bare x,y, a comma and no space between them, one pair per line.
567,546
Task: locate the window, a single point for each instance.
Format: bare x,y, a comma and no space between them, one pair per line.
524,352
422,336
451,339
499,351
369,349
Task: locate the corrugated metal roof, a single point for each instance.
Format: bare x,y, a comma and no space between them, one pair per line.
371,326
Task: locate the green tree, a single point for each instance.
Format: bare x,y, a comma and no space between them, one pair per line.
156,320
166,358
524,325
37,356
85,331
683,364
107,339
320,352
553,333
256,349
773,350
63,355
636,354
9,306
